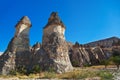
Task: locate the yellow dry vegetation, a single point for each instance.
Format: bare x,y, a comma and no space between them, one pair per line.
77,73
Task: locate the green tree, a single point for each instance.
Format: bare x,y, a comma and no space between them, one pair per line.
105,63
116,60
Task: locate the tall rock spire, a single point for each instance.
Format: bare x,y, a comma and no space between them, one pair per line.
55,46
17,52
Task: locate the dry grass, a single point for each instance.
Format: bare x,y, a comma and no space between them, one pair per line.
77,73
102,66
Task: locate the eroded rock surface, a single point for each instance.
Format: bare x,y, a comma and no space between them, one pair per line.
85,56
55,46
54,52
17,53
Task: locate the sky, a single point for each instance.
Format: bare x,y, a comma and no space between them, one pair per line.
85,20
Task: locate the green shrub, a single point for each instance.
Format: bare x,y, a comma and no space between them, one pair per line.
87,65
51,69
116,61
22,69
105,63
105,75
36,69
49,75
13,72
75,63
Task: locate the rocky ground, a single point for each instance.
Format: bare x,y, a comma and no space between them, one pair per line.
116,75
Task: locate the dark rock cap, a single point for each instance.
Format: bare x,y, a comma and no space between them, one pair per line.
54,19
24,20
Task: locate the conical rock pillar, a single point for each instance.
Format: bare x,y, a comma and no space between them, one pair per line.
55,46
17,52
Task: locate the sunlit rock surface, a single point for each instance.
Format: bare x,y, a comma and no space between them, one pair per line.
55,46
17,52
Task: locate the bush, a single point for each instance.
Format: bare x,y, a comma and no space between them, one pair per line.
105,63
116,61
36,69
49,75
75,63
105,75
51,69
13,72
22,69
87,65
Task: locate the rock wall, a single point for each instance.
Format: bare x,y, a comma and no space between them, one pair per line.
82,56
17,53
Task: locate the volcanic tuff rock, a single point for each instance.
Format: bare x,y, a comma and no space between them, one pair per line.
54,52
81,55
55,46
93,53
1,53
109,42
17,53
35,47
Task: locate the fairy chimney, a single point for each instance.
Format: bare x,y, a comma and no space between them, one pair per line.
55,46
17,52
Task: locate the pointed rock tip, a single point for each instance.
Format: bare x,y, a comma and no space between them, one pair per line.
54,14
54,20
24,20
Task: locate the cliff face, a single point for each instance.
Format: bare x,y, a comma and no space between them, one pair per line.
81,55
17,52
93,53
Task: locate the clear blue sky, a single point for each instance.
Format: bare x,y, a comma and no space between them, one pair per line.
86,20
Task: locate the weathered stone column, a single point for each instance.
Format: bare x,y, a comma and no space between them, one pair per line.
55,46
17,53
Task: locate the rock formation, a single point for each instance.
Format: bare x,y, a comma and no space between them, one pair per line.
1,53
35,48
54,52
81,55
55,46
17,53
109,42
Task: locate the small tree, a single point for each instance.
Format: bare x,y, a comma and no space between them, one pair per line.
116,61
105,63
